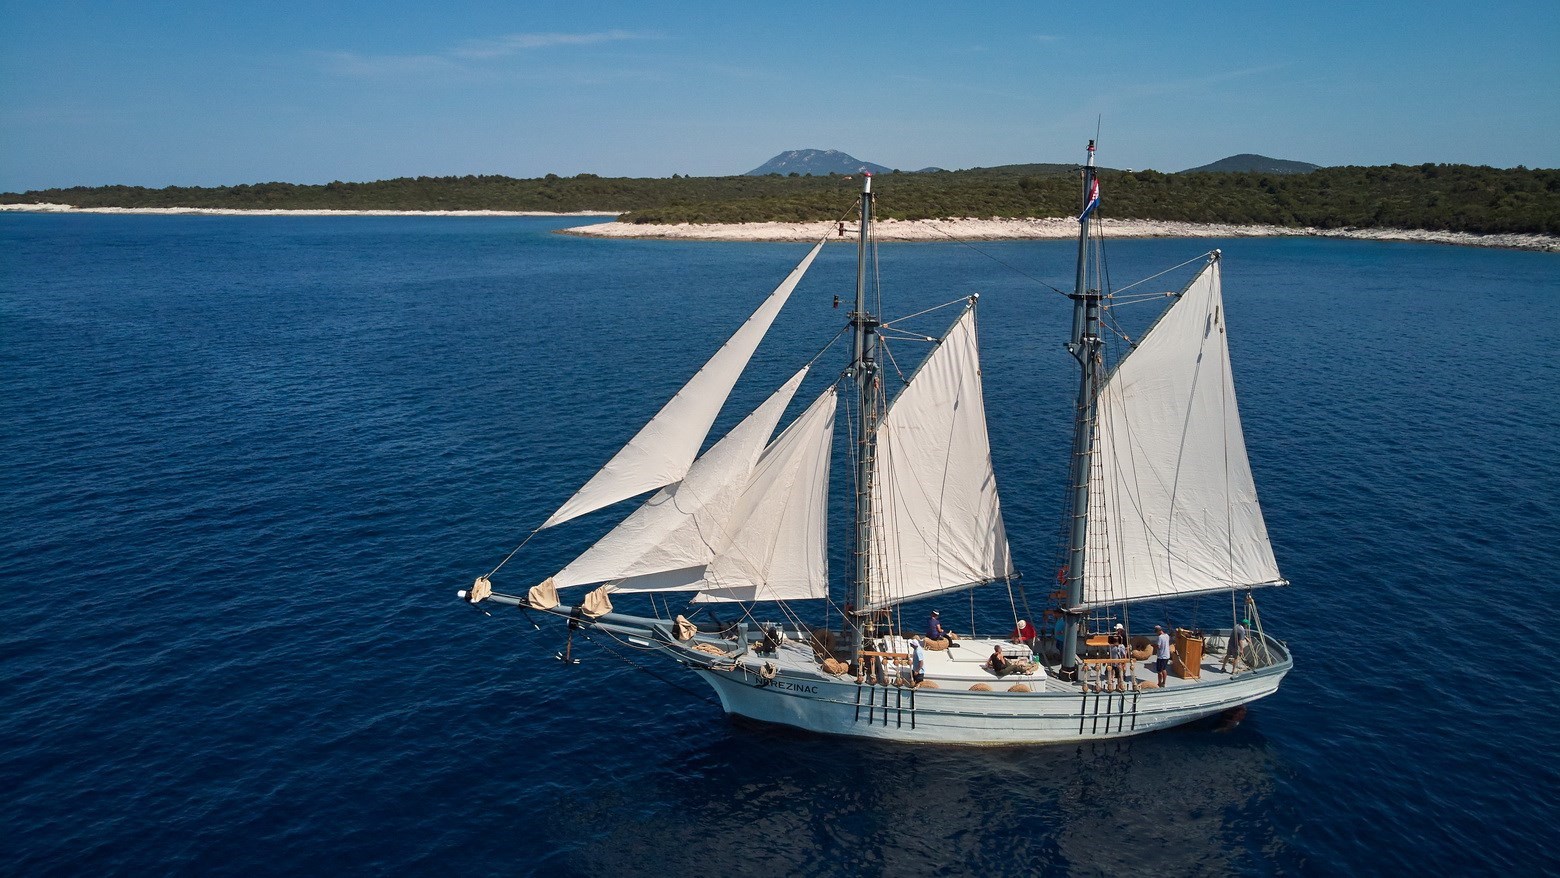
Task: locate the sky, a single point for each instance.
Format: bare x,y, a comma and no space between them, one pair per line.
217,93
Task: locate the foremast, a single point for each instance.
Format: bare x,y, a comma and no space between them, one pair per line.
1086,346
864,367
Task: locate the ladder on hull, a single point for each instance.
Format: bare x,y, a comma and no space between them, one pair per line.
1107,710
892,706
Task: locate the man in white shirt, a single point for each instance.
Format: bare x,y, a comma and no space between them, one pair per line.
1162,657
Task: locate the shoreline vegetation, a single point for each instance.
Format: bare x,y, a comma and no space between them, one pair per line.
889,230
1460,204
1050,228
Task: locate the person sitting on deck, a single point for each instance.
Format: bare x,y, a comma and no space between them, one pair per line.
998,663
1023,633
934,628
1116,674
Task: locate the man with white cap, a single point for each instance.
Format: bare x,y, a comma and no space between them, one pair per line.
1162,654
917,660
934,628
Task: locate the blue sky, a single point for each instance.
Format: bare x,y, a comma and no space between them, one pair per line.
205,93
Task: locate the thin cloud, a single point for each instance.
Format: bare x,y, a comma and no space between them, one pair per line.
374,66
464,57
512,44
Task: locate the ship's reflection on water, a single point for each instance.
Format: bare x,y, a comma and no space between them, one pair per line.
765,801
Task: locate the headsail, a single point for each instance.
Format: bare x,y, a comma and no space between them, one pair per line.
680,526
774,545
663,450
1180,507
941,522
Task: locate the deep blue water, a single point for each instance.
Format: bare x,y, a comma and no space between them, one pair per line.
248,461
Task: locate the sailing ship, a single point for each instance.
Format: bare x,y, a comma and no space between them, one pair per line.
1162,505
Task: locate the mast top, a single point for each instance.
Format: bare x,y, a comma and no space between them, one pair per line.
866,182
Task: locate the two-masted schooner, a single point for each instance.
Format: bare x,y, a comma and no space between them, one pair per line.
1162,506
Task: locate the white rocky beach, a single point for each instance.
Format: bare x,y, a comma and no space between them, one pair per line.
965,229
1037,229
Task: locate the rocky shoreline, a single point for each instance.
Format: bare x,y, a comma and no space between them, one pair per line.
1043,229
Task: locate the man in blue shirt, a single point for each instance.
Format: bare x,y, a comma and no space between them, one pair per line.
934,628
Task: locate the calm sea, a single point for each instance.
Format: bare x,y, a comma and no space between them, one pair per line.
247,462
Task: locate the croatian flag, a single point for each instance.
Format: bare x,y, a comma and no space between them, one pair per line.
1094,199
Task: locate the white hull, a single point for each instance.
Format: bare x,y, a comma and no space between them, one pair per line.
941,716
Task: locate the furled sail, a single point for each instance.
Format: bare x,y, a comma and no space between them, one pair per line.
940,523
1180,507
663,450
678,526
775,541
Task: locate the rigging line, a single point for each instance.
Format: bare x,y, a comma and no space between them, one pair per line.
703,695
883,344
887,323
1009,266
1162,273
907,335
1136,299
513,551
817,356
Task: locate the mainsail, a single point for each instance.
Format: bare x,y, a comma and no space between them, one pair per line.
941,523
678,527
1180,507
773,546
663,450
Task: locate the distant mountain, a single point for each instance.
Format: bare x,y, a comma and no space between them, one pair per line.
817,162
1259,164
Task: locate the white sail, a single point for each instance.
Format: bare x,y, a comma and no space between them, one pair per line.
775,540
663,450
939,520
780,550
679,526
1180,507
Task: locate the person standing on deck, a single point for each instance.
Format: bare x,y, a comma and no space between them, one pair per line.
1162,654
917,660
1236,645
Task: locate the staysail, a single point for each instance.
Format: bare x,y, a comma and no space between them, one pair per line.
1180,506
679,526
663,450
774,544
941,522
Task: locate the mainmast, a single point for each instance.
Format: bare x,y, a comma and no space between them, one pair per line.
1085,346
864,367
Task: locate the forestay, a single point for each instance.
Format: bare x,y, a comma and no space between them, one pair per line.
1181,513
663,450
941,522
679,526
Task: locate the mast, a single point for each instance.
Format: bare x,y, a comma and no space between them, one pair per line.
1084,345
864,366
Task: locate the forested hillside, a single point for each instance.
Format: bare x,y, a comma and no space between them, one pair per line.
1459,198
